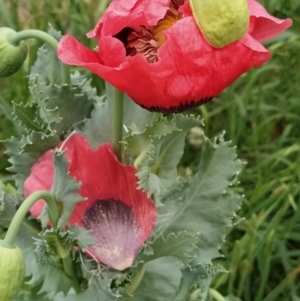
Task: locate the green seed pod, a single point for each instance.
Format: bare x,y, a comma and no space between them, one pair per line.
12,272
222,22
11,56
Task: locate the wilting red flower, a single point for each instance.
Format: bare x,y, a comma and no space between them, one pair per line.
154,52
120,217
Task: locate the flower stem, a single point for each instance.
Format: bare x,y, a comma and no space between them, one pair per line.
118,123
22,211
136,280
8,241
47,38
70,272
216,295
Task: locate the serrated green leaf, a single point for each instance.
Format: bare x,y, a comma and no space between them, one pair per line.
37,270
47,66
26,115
160,282
137,142
28,293
205,206
57,280
79,80
25,151
148,180
58,242
134,116
99,290
50,276
189,281
196,282
63,106
40,98
181,245
8,206
163,154
64,188
98,128
72,103
81,236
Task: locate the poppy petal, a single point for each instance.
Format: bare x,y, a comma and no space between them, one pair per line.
131,13
182,75
41,178
113,219
188,71
263,26
103,180
79,54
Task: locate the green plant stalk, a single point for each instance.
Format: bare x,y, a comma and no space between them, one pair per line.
130,289
265,260
216,295
7,15
22,211
102,6
70,272
118,123
17,220
47,38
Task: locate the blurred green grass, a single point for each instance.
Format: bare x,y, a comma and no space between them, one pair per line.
261,115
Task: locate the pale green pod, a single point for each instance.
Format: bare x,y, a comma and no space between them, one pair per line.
222,22
12,272
11,56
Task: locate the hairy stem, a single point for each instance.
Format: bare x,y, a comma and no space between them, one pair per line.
22,211
70,272
17,220
118,123
216,295
136,280
15,39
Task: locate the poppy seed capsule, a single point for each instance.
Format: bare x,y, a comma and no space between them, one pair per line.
12,267
222,22
11,56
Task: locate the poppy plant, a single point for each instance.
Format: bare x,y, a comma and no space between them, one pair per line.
155,52
119,216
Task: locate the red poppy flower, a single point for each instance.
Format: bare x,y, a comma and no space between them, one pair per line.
120,217
154,52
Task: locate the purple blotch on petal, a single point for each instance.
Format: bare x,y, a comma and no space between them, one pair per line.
117,236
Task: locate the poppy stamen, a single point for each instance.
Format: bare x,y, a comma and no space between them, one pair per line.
146,40
171,17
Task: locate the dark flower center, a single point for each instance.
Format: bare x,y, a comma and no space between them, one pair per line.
146,40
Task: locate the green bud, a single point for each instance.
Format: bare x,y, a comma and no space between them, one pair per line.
222,22
12,267
11,56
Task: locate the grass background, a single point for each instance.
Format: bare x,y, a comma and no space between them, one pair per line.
261,115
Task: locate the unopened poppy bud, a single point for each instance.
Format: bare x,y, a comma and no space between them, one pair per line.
222,22
11,56
12,267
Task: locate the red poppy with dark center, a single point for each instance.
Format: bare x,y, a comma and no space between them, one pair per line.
154,52
119,216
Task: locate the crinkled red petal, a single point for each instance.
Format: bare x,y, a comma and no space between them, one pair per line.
117,235
188,70
103,178
263,26
129,13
